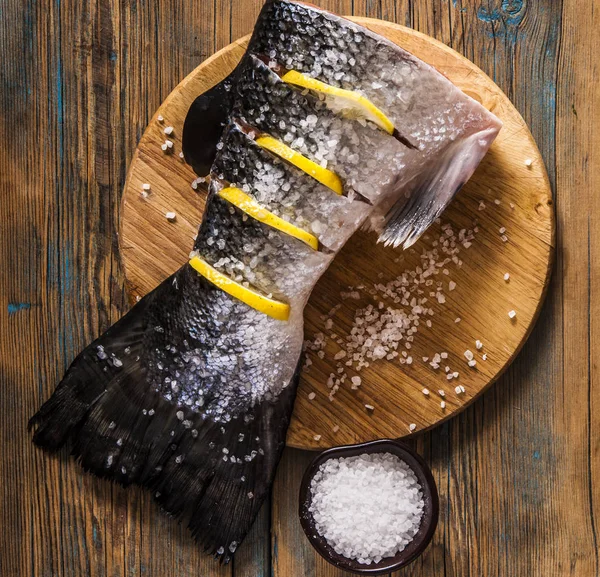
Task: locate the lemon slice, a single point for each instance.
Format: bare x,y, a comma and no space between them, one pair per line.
248,205
263,304
363,106
322,175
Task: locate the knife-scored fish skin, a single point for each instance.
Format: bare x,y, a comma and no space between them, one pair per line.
191,392
368,160
286,191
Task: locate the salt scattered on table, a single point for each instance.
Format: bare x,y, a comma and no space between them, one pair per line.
367,507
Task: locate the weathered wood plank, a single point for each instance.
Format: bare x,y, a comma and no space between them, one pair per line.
575,413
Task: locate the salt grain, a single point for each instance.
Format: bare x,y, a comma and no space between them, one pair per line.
369,407
528,162
145,186
159,118
168,130
478,345
171,216
379,492
512,314
506,277
311,396
412,427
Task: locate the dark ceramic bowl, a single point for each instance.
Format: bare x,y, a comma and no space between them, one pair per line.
428,522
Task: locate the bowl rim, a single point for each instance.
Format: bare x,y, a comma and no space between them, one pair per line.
428,522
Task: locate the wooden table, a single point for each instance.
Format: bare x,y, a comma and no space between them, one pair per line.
518,472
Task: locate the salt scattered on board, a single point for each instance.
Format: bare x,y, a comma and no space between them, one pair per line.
367,507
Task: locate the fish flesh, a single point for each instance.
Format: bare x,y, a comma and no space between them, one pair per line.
328,127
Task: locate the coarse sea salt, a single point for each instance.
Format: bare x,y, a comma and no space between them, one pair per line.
367,507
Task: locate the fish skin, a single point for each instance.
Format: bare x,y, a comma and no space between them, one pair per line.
426,108
191,392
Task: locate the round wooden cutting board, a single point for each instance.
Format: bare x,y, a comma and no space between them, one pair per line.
510,191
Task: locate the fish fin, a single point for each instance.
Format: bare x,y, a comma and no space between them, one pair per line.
205,122
88,379
212,475
433,190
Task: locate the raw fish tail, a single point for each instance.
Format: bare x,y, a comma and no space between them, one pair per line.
212,474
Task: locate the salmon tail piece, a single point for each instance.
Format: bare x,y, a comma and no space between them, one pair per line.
212,475
434,188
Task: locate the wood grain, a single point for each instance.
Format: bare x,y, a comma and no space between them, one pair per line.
517,471
153,248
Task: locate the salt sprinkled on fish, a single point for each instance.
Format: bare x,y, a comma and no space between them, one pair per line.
324,132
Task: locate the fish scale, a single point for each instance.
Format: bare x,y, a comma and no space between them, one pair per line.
270,258
286,190
190,394
304,123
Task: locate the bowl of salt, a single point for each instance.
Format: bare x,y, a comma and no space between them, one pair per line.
370,508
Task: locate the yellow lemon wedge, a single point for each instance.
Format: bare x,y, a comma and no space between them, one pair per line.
248,205
262,303
361,105
322,175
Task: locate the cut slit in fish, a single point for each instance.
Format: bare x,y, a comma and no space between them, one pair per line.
191,392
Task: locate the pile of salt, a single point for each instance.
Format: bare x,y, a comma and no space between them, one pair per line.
367,507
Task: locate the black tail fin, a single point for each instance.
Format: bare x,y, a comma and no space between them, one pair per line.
213,475
93,372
